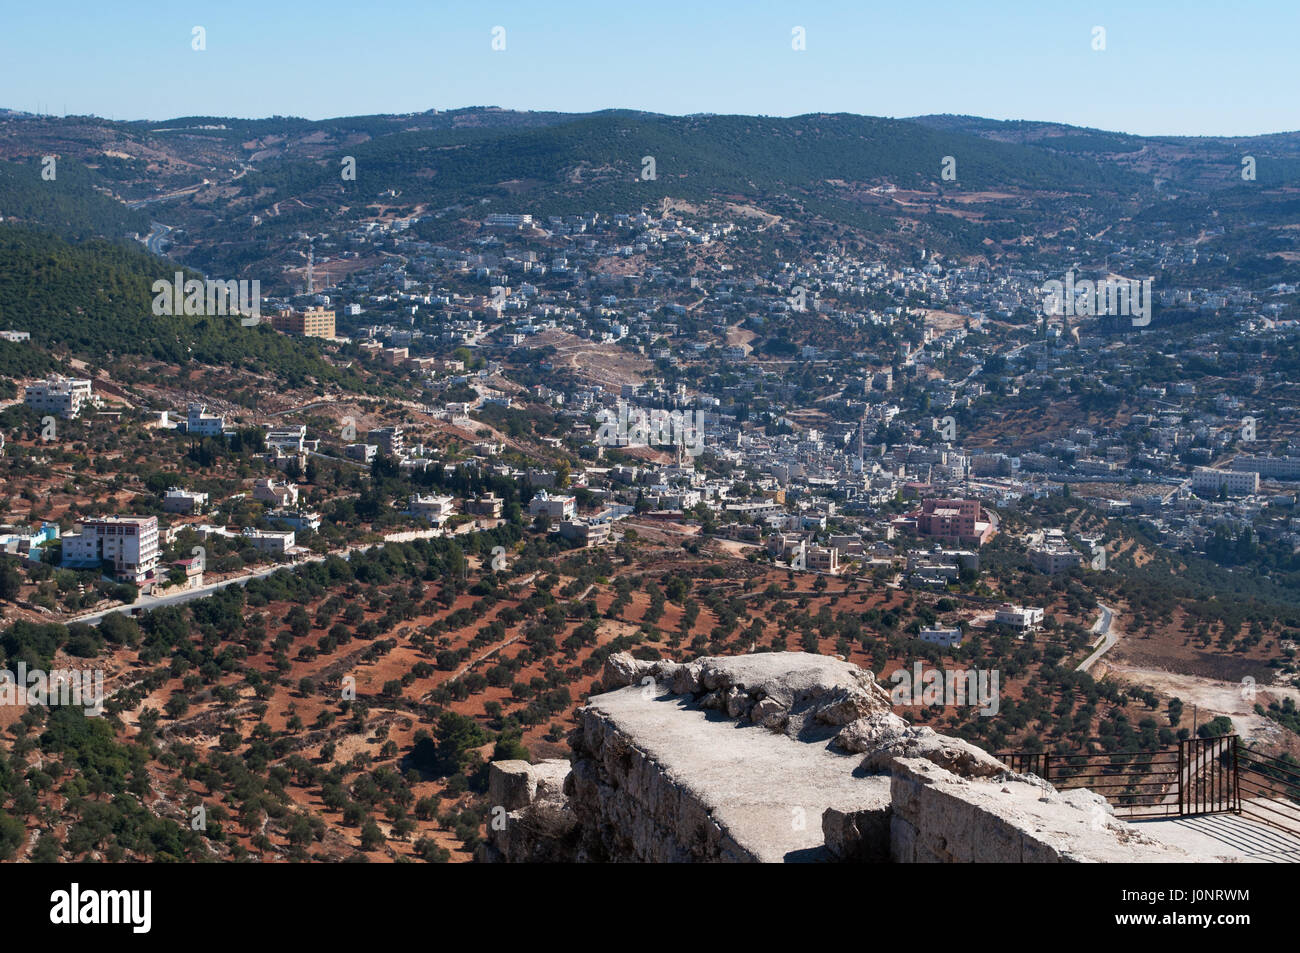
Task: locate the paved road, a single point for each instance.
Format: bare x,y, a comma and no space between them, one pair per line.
148,603
1108,638
157,235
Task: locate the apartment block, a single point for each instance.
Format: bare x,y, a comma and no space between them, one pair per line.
312,323
389,440
589,534
960,521
65,396
129,543
1234,482
1052,559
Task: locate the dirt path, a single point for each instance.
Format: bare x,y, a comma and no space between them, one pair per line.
1211,697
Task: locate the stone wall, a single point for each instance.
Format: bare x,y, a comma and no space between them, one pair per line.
938,817
782,757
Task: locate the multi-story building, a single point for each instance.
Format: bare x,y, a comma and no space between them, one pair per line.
555,507
507,220
589,534
1233,482
436,509
277,542
365,452
1270,468
177,500
203,424
65,396
312,323
389,440
822,559
277,494
288,439
1018,617
1052,558
959,521
489,505
130,543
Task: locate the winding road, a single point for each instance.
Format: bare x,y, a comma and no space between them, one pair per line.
1108,638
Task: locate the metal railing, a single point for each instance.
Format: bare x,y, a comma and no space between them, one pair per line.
1270,790
1199,776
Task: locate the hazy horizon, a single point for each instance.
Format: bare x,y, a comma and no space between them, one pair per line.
646,112
1155,69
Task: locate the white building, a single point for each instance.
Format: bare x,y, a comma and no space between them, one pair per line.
130,543
945,637
822,559
1018,617
274,541
177,500
1236,482
436,509
556,507
203,424
288,439
64,396
298,519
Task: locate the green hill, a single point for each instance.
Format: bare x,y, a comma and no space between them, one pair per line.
93,300
69,204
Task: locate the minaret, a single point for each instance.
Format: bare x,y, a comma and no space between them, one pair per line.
311,260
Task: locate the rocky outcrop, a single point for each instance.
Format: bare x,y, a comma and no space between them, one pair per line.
530,818
940,818
780,757
808,697
884,737
794,693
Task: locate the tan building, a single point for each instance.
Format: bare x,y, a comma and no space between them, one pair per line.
823,559
580,531
489,505
312,323
1053,558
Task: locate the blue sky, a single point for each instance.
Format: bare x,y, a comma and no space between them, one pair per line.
1188,67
